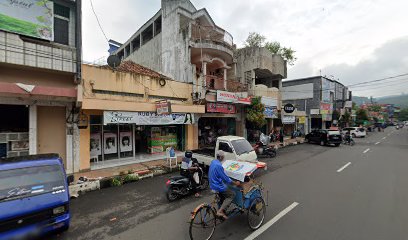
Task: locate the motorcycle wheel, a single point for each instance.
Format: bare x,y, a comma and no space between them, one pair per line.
272,153
204,185
171,194
352,143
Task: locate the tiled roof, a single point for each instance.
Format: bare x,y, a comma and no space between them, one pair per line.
131,67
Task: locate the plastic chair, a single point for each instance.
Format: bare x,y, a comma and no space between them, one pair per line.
171,155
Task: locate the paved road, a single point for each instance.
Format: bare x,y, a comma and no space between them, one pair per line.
322,193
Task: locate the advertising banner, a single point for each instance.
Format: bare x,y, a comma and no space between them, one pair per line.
147,118
288,119
271,112
239,97
302,120
126,144
110,140
221,108
326,108
95,144
269,102
163,107
32,18
238,170
314,111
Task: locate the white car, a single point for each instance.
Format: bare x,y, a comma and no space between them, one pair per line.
356,131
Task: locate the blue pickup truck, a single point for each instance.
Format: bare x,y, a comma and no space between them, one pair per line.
34,197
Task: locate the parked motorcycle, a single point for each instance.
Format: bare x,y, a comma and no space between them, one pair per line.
262,147
179,186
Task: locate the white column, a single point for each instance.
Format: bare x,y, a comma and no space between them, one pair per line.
32,132
76,146
225,79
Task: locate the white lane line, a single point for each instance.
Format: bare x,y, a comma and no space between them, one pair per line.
271,222
384,138
366,150
342,168
377,143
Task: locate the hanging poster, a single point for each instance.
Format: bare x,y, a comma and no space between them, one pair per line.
147,118
32,18
221,108
126,144
271,112
96,144
110,140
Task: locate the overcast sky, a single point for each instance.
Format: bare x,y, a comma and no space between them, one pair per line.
354,41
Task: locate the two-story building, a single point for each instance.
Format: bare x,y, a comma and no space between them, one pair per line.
319,97
40,69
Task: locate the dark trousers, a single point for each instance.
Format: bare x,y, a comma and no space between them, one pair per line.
189,175
226,198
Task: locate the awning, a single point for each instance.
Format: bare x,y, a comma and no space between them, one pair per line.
23,90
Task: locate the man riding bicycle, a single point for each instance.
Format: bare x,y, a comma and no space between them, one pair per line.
221,183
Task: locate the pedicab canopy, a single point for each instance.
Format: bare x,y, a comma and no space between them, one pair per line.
238,170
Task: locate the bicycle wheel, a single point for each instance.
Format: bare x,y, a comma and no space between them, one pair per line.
202,225
256,213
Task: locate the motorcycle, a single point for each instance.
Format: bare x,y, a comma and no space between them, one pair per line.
179,186
262,148
348,140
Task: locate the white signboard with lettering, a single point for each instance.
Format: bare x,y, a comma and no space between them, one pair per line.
269,102
147,118
223,96
288,119
314,111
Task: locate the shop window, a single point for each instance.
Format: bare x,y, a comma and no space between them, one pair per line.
95,119
126,141
110,141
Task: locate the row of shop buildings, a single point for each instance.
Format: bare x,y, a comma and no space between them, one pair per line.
98,117
179,62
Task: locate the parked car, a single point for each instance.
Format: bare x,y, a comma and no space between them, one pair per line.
324,137
356,131
34,198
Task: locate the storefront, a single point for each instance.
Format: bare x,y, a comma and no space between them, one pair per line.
130,135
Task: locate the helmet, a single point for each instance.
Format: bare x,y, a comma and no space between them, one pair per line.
188,154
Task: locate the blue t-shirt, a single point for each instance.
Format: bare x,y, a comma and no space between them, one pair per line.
218,178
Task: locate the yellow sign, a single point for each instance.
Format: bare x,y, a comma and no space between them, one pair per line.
302,119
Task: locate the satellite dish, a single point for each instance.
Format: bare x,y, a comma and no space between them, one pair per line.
113,61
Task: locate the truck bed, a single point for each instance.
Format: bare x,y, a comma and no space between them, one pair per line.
204,156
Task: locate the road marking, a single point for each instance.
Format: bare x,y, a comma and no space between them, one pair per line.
384,137
342,168
271,222
377,143
366,150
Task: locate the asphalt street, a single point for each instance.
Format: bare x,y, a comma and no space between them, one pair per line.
317,193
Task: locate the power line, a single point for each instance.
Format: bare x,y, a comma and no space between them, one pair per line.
97,19
379,80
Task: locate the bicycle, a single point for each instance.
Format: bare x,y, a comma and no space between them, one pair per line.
204,218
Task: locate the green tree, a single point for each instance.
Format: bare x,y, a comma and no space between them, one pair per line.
255,40
255,113
345,120
361,116
258,40
374,108
403,115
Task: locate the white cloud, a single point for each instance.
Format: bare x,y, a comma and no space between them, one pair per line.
323,32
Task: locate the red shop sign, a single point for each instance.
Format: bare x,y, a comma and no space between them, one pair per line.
221,108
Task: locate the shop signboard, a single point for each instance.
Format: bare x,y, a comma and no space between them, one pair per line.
271,112
289,108
315,111
348,104
163,107
29,17
302,120
230,97
326,108
288,119
147,118
327,117
269,102
221,108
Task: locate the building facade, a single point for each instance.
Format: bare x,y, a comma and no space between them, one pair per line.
185,44
124,125
39,78
322,99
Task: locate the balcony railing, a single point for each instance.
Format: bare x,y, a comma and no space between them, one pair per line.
217,83
211,35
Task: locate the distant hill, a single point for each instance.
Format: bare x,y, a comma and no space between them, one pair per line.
398,100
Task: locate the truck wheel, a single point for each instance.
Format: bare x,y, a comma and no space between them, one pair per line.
322,143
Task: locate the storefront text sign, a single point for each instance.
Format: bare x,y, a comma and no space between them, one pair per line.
287,119
147,118
289,108
302,120
221,108
163,107
269,102
326,108
315,111
239,97
271,112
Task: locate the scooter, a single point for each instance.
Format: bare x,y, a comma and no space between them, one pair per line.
179,186
348,140
262,148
